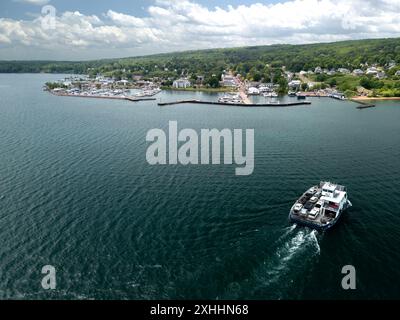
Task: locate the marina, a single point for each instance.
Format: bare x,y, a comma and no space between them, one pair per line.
93,96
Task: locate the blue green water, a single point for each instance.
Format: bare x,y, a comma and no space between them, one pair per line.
77,193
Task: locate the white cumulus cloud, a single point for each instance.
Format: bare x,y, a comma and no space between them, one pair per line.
184,24
35,2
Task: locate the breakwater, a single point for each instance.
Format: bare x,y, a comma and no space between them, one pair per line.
290,104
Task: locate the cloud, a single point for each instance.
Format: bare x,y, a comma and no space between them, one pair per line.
34,2
184,24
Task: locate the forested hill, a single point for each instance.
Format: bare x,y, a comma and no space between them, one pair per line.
348,54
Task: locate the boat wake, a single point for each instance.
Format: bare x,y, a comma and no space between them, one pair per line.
291,261
296,250
300,241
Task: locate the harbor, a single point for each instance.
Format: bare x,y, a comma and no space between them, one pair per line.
93,96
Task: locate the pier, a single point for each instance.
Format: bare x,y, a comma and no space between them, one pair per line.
244,96
363,105
289,104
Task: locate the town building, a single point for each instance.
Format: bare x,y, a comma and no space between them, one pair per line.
358,72
294,84
344,71
228,81
181,83
318,70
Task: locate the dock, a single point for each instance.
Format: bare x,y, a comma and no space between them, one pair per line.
363,105
289,104
245,98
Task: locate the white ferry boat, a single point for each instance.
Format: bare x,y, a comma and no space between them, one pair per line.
320,207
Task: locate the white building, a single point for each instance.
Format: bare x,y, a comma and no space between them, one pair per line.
294,84
253,91
358,72
318,70
228,81
372,71
123,82
344,70
181,83
397,73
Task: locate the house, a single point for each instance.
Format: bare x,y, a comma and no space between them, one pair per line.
372,71
397,73
358,72
318,70
344,71
181,83
267,87
228,81
294,84
200,79
380,75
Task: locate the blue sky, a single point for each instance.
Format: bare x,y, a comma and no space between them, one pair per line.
94,29
22,10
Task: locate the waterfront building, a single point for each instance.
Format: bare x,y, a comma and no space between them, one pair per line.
294,84
228,81
181,83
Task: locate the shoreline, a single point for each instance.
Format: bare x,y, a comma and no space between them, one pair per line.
208,90
375,98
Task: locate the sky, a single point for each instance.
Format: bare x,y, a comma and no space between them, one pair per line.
94,29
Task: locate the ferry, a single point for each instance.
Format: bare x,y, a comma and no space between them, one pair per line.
321,206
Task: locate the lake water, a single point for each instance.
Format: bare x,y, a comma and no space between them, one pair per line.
77,193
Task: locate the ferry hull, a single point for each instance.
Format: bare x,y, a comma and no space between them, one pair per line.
294,219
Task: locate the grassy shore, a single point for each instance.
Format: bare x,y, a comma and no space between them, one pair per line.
200,89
